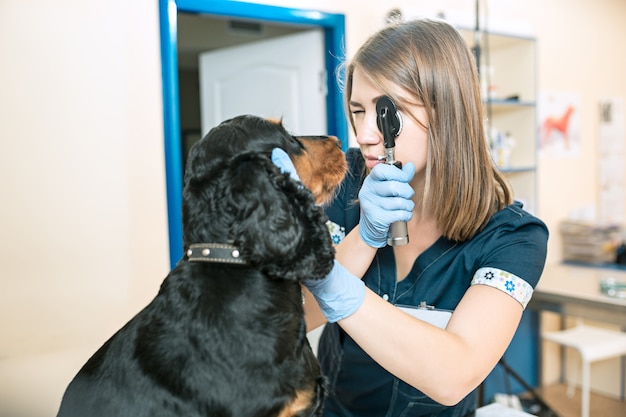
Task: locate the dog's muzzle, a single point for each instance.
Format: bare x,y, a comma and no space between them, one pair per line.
214,252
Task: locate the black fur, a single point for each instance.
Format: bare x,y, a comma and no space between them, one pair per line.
219,339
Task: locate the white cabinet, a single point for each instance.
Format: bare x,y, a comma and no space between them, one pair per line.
508,84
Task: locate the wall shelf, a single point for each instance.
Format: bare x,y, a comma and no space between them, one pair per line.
508,86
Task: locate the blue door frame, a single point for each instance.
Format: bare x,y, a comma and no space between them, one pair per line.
334,34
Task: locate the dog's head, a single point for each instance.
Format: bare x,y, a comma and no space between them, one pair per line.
235,194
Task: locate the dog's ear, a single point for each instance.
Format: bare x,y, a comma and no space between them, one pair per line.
276,224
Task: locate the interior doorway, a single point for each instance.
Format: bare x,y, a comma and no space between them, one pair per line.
189,27
200,34
239,68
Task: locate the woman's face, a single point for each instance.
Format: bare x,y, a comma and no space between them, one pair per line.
411,144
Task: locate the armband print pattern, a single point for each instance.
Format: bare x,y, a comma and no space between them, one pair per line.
337,233
504,281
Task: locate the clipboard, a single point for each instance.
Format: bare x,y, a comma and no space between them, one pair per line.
429,314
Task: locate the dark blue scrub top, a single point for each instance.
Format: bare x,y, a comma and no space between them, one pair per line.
513,242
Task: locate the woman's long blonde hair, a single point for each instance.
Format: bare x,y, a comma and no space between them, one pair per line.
432,63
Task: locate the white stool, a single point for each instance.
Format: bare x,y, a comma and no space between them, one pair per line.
593,344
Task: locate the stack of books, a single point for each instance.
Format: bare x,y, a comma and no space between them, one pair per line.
590,242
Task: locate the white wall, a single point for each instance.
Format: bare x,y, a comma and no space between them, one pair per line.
83,230
83,225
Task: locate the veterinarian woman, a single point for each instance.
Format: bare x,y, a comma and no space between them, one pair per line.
471,249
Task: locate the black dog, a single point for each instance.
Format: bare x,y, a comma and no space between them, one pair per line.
225,336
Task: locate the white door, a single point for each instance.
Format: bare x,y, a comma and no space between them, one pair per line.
281,77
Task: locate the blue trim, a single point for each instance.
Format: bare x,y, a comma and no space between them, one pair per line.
336,116
334,36
171,128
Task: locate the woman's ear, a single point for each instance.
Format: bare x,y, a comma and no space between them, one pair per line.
276,224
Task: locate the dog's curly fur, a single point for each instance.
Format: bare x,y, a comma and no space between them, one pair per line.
226,339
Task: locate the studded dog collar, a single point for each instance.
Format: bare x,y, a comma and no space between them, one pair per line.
214,252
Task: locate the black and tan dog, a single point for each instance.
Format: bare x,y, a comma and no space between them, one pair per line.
225,336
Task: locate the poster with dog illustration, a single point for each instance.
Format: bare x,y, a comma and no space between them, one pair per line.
559,124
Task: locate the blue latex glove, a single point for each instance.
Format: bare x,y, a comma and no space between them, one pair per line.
385,198
339,294
282,161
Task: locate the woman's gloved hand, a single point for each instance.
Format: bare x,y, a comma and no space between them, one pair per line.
339,294
385,198
282,161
